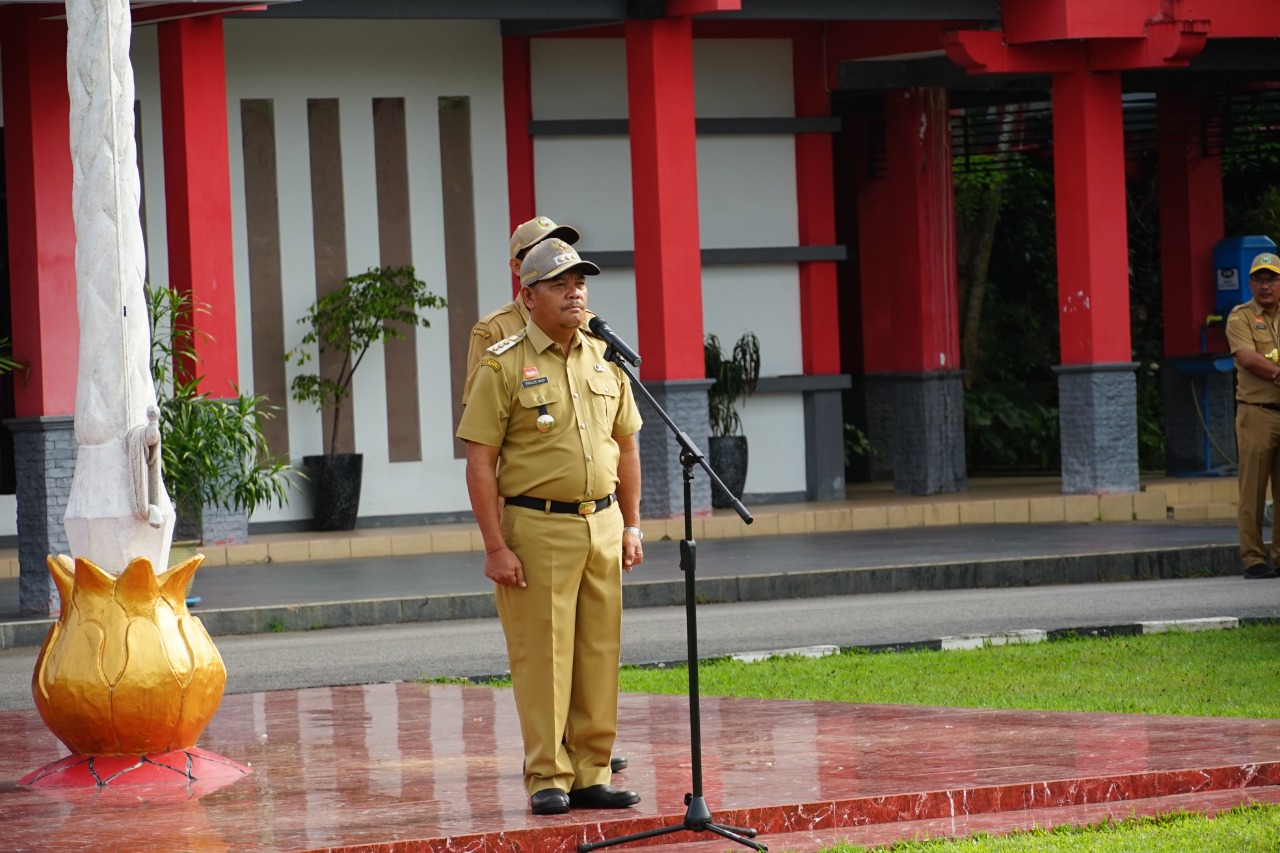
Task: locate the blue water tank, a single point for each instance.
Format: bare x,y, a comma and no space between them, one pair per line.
1231,259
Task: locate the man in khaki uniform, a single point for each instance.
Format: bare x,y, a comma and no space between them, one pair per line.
1253,331
514,316
562,420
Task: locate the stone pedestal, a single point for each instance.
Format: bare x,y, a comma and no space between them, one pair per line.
879,397
685,401
217,526
45,456
824,444
1098,420
927,425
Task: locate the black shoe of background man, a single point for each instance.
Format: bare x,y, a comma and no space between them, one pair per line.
602,797
1259,571
549,801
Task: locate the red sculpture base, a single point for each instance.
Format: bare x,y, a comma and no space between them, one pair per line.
180,774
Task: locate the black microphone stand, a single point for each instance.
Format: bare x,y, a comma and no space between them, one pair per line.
697,817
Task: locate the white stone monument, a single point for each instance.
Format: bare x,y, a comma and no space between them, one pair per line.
118,508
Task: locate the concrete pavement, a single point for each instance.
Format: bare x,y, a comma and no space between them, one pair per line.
303,595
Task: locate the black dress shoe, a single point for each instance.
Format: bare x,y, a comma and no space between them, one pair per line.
549,801
1259,571
602,797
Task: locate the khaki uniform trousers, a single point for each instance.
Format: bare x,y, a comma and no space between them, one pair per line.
1258,444
563,633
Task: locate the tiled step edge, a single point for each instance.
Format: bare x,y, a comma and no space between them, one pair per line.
1208,803
563,836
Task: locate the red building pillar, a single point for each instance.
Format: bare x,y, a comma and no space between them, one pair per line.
517,99
1191,221
815,187
668,259
193,106
42,288
1093,246
664,187
42,240
1097,394
910,316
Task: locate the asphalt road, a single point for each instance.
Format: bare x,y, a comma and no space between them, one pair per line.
261,662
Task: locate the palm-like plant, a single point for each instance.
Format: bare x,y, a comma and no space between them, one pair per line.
213,451
8,363
735,377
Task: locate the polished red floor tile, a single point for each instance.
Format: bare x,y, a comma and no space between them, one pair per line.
437,768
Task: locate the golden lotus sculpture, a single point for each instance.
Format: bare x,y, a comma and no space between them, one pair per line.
126,669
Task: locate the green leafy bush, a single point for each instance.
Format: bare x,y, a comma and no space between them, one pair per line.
213,451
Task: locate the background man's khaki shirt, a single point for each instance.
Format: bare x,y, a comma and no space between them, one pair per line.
588,398
487,331
1248,327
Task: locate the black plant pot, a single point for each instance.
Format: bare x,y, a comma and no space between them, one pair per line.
335,489
729,460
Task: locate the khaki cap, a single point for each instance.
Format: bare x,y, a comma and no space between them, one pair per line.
1265,261
538,229
549,259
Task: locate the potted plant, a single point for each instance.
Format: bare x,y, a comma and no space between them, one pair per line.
369,308
735,375
214,455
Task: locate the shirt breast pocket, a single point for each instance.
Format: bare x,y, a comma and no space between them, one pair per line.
537,400
605,394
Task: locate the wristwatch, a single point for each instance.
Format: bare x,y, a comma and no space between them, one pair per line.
636,530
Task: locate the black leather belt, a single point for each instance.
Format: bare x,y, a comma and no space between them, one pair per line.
584,508
1275,407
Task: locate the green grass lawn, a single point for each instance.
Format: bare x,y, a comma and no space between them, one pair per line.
1217,673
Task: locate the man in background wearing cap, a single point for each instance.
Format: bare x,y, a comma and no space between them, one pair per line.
512,317
562,420
1253,331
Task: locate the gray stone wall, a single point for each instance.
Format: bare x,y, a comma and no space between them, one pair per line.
927,426
1098,420
1192,399
879,397
685,401
45,455
824,445
217,526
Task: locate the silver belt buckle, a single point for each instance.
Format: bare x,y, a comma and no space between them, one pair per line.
586,507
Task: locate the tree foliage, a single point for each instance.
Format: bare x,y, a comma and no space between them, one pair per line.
369,308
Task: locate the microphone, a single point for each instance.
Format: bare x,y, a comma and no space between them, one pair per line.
601,330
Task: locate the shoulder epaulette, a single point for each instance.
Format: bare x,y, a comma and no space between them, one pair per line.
507,343
493,315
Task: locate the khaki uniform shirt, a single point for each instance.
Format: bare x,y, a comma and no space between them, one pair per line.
488,330
588,398
496,326
1248,327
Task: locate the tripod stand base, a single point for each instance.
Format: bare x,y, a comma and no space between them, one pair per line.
696,819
